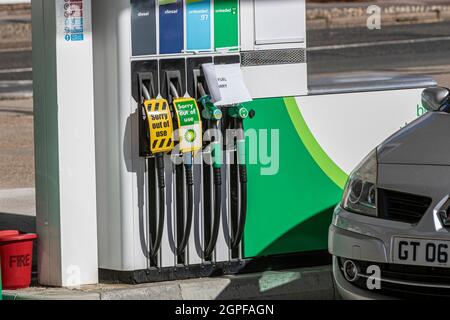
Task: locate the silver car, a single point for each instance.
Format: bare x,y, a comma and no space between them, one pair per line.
390,236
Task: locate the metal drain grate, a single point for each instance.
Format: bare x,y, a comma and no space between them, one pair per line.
273,57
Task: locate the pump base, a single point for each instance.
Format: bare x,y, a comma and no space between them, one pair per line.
260,264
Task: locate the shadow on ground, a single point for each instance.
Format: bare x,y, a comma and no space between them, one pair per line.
25,224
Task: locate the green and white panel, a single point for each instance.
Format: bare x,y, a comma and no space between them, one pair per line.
320,140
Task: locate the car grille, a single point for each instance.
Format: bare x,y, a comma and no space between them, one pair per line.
404,280
401,206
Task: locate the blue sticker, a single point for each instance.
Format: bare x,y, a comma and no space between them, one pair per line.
77,37
78,29
73,22
171,29
198,25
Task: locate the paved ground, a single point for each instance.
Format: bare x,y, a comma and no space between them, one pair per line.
19,202
15,73
16,145
306,283
15,54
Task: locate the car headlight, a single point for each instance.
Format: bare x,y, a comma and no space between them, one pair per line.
360,195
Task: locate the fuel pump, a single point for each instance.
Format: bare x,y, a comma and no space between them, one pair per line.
238,185
190,141
158,136
212,116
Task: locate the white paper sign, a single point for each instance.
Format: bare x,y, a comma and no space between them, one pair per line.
226,84
209,69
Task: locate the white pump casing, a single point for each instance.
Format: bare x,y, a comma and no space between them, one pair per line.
66,209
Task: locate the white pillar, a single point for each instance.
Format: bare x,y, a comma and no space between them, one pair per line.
65,143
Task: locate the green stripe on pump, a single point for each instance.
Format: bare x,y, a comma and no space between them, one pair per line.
331,169
290,205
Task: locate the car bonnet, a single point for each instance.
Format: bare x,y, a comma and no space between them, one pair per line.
426,141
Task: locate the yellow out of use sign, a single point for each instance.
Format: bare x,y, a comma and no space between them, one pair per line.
160,124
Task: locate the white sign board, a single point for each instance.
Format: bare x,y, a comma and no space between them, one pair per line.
226,84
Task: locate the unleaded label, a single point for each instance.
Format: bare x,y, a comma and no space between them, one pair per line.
226,24
198,25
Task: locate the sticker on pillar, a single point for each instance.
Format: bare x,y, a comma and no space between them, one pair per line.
171,26
143,27
189,125
73,20
198,25
161,125
226,24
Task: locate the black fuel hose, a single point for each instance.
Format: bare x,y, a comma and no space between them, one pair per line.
190,209
217,181
188,159
237,237
217,211
154,247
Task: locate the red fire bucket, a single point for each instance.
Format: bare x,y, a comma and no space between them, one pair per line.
16,256
8,233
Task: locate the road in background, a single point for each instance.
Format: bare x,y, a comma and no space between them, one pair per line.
15,56
417,49
414,48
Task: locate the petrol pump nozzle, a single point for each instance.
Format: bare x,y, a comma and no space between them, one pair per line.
238,112
146,93
213,114
173,90
210,110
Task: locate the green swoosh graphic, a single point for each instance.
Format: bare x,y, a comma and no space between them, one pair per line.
331,169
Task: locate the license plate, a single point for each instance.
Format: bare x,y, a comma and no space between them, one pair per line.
422,252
